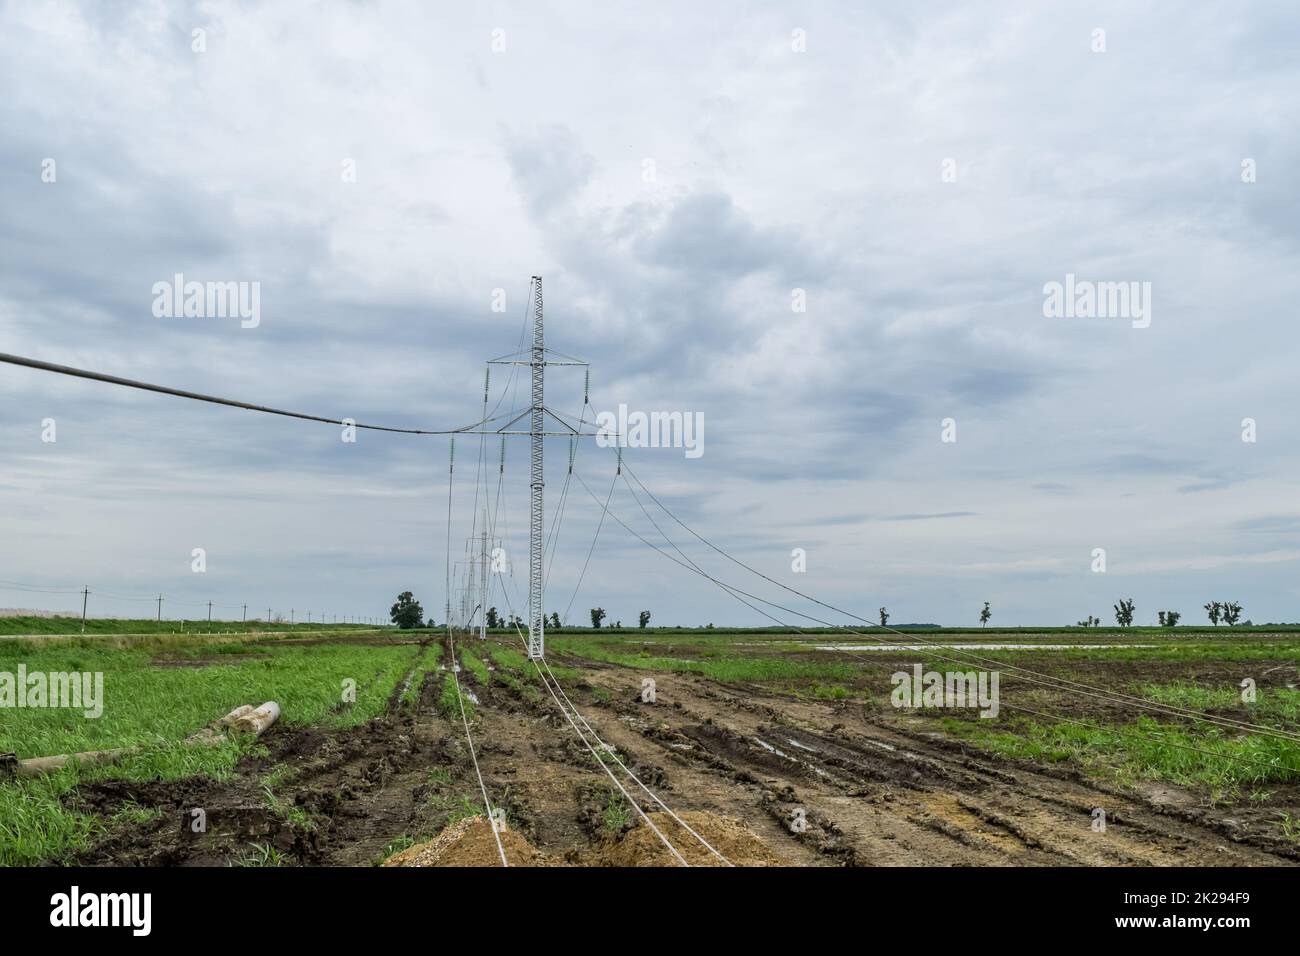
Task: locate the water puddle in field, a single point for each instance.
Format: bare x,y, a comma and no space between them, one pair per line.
770,749
975,647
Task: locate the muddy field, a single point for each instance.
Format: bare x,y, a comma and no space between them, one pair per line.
766,775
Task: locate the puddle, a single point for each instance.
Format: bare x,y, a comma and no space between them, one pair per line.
770,749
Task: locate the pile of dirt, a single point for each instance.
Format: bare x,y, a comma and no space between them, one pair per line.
641,847
469,842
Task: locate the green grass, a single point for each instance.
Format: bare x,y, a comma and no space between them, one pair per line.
1146,749
721,668
72,625
1289,826
439,777
262,855
427,661
1240,651
616,815
451,700
510,659
514,670
1276,704
403,842
155,708
146,704
463,810
471,661
293,815
133,813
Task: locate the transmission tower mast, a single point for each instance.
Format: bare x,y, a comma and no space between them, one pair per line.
536,618
537,413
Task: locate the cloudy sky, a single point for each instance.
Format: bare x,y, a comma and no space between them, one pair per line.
682,175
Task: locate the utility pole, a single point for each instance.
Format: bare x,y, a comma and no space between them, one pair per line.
209,612
160,610
85,596
245,613
268,617
291,617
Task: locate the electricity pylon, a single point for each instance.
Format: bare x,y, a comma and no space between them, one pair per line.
537,410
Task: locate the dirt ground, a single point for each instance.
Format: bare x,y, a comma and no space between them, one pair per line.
764,778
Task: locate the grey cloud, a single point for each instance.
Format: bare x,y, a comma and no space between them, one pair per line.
929,517
477,170
549,168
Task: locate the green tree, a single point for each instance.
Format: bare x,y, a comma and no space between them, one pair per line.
597,615
884,617
493,619
644,618
1231,613
1213,610
985,615
1171,618
1124,612
407,613
555,621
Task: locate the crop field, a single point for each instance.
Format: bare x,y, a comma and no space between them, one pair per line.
1131,748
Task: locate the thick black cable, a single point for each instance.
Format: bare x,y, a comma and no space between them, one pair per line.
215,400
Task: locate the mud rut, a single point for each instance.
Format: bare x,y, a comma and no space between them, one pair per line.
871,794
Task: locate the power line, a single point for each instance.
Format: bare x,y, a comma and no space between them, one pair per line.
469,738
455,667
212,399
614,755
733,591
636,806
1048,681
599,524
1082,688
627,796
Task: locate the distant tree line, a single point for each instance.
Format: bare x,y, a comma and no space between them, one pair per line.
1227,611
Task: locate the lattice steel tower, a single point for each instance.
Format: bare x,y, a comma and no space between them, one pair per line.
537,413
536,614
